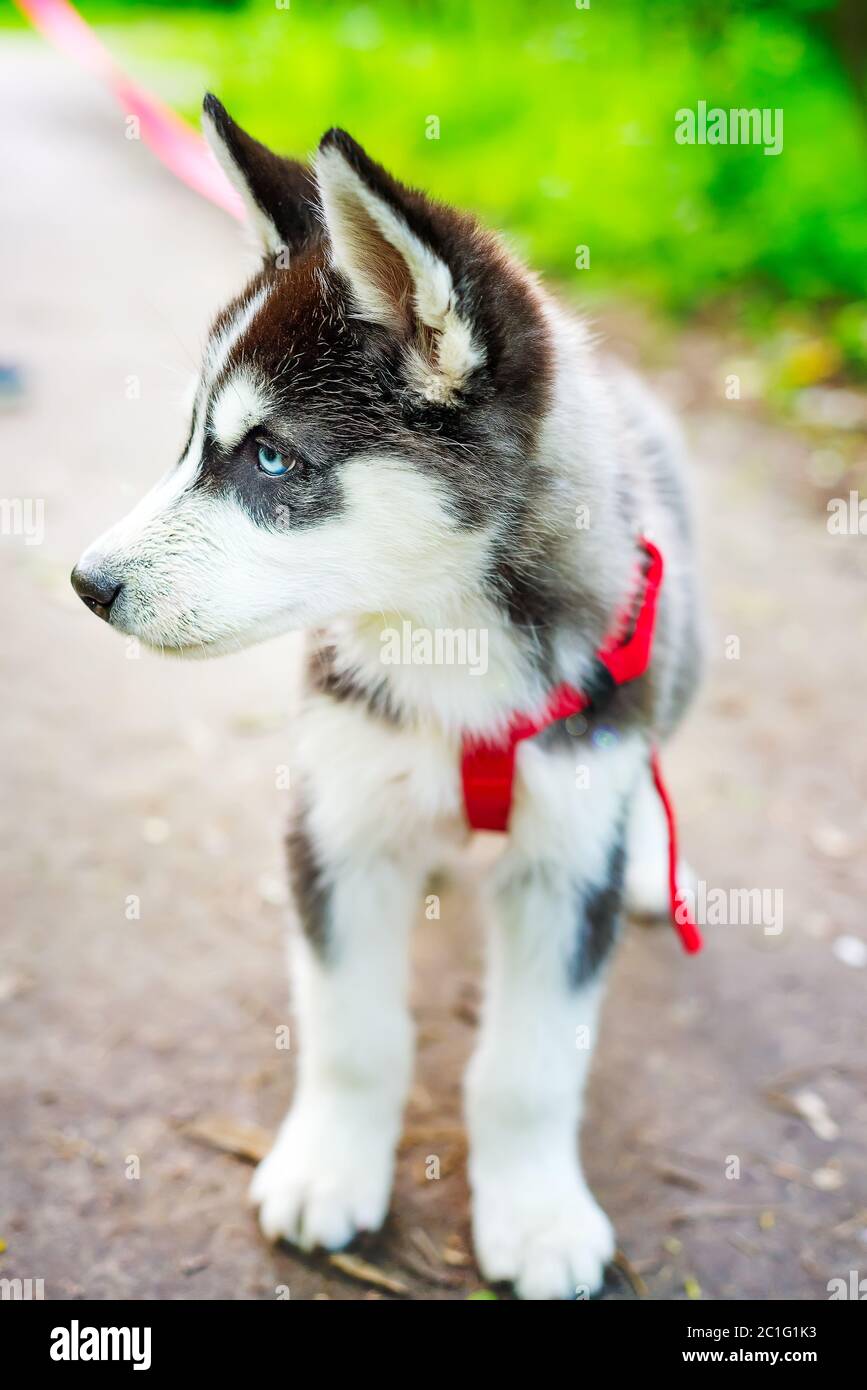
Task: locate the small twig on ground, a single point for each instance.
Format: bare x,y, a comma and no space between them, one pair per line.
243,1140
365,1273
678,1177
630,1274
852,1224
415,1264
810,1107
746,1247
680,1215
426,1262
425,1246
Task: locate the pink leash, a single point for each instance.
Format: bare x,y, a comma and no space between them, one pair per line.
175,143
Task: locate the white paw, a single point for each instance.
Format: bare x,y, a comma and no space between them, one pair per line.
548,1241
327,1177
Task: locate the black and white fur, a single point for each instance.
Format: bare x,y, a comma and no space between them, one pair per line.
443,420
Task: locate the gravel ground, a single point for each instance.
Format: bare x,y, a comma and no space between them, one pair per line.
142,779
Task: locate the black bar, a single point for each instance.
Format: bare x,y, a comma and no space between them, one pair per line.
255,1339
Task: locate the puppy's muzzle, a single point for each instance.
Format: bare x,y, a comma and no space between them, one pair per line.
97,589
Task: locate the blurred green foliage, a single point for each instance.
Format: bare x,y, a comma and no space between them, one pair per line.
556,124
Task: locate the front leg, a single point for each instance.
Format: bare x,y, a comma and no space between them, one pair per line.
330,1171
557,908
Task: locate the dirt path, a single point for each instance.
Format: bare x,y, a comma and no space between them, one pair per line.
139,779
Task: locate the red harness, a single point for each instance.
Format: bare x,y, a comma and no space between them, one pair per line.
488,768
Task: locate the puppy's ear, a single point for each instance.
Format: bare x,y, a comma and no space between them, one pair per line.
278,194
394,247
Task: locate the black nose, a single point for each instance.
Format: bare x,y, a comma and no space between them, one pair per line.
96,590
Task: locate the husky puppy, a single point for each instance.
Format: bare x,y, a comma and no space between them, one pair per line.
396,424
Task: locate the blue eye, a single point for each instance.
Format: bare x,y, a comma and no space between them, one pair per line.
272,462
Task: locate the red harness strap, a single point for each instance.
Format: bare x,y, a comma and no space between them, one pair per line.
488,768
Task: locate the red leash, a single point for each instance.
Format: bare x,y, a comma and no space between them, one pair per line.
682,919
488,768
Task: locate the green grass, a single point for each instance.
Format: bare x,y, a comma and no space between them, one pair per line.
557,125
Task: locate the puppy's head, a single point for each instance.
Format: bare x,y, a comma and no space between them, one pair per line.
361,424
